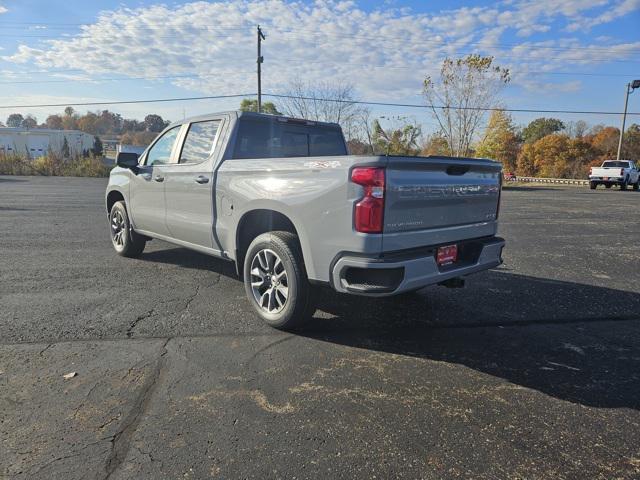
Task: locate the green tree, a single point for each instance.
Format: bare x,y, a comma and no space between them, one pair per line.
500,141
66,153
249,105
97,149
458,98
154,123
541,127
15,120
29,122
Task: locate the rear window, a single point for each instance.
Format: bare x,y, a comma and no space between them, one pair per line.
271,138
616,164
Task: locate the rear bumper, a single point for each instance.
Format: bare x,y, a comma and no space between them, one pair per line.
613,180
410,270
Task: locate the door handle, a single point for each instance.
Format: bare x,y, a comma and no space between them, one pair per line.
159,178
202,179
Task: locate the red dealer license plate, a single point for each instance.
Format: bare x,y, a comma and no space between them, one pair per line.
447,255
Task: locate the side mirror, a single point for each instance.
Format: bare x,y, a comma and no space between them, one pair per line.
127,160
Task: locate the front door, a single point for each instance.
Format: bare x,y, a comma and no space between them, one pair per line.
147,196
189,188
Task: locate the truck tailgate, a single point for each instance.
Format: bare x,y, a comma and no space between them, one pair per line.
434,200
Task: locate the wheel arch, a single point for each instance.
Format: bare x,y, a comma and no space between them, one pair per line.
262,220
112,197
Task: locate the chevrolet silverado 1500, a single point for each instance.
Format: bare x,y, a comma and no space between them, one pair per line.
615,172
282,199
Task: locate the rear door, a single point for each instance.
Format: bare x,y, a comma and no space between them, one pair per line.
189,184
147,196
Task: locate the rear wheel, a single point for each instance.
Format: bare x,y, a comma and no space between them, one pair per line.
593,185
608,185
125,241
275,280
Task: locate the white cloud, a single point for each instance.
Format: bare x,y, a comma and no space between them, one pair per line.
3,9
619,9
387,50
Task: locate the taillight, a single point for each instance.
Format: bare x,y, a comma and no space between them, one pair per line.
590,170
369,211
621,171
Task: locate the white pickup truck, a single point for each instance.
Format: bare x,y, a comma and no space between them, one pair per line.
615,172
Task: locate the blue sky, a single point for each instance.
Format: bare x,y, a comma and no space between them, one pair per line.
574,54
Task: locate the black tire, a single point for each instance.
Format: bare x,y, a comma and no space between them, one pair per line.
297,306
593,185
636,186
608,185
623,185
125,241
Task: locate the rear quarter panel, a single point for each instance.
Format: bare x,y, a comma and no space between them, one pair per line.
313,192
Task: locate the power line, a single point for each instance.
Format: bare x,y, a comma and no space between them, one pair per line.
357,102
439,107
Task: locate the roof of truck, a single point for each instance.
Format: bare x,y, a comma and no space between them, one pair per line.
240,113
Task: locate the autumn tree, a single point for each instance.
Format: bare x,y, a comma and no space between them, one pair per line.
556,156
435,144
140,139
631,143
400,139
70,119
54,122
15,120
606,142
461,94
500,141
249,105
541,127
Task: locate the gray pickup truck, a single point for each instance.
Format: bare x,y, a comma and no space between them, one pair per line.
282,199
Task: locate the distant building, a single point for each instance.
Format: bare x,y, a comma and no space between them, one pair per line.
36,142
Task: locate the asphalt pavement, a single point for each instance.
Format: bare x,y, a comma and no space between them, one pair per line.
531,371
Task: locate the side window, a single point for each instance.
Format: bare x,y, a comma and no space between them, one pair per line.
198,144
160,153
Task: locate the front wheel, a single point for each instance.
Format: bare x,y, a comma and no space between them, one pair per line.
275,280
636,186
125,241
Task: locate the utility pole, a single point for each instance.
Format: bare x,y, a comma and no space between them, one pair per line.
630,88
261,37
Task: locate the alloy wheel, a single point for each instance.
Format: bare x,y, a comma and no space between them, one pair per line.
269,281
118,228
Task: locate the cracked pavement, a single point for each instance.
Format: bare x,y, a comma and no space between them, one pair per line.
532,371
